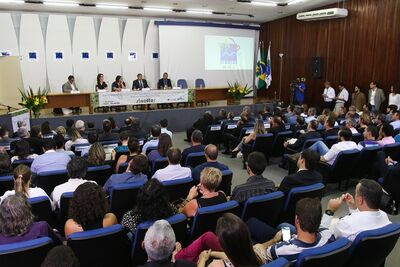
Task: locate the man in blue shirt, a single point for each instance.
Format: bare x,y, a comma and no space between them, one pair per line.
153,140
299,91
50,160
197,146
211,152
137,166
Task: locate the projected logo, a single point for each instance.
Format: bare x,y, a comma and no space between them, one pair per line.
229,52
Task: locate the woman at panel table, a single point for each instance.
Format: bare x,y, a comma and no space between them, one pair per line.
101,84
119,84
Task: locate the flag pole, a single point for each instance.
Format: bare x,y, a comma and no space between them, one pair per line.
280,77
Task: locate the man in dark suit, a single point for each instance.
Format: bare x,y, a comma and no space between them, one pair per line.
306,175
330,129
164,83
310,134
197,146
139,83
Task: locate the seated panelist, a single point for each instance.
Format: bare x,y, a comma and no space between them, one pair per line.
101,84
139,83
164,83
70,85
119,84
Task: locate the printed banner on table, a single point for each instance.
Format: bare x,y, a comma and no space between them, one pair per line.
142,97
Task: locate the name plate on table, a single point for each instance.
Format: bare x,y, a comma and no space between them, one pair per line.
101,90
75,92
143,97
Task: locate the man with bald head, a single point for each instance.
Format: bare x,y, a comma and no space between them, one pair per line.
211,152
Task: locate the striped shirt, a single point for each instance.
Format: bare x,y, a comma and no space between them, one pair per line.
292,248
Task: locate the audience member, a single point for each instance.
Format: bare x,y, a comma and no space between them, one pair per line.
211,154
310,134
329,155
135,172
307,233
174,170
80,127
61,256
248,140
364,211
276,125
91,127
17,222
22,151
396,120
196,146
152,203
133,148
76,138
386,135
365,121
164,127
231,139
351,125
330,129
311,115
136,131
77,169
256,184
88,210
107,134
113,123
69,125
96,155
5,165
50,160
123,148
46,131
369,138
153,141
210,179
35,140
306,174
159,243
164,143
201,124
221,116
59,140
60,130
127,125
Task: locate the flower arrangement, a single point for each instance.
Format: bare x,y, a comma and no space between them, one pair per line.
237,91
34,102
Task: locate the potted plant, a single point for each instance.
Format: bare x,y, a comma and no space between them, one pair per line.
237,91
34,102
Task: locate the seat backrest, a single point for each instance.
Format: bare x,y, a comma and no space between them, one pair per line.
393,151
357,137
330,255
343,166
297,193
280,138
6,183
366,160
178,223
370,248
41,209
120,153
158,164
149,149
195,159
123,198
310,142
280,262
199,83
99,174
122,167
263,143
213,135
27,162
48,180
267,208
178,188
182,83
226,182
330,141
107,246
65,201
78,148
26,253
206,218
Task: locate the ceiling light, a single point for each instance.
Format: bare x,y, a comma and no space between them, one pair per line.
294,2
110,6
66,4
157,9
12,2
205,12
258,3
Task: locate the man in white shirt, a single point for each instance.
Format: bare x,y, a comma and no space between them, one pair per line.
351,124
328,96
329,155
77,169
164,125
341,98
311,115
153,142
364,211
174,170
395,120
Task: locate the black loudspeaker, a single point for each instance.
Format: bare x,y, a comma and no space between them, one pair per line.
316,67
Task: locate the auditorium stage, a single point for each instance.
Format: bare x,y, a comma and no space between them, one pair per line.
179,118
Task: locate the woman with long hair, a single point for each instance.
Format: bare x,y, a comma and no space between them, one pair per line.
119,84
22,185
97,155
46,131
164,143
133,147
152,203
249,139
88,210
22,151
76,138
100,83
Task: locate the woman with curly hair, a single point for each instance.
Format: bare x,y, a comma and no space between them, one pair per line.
164,143
17,221
152,204
88,210
96,155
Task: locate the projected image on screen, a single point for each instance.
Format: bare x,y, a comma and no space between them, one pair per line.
228,52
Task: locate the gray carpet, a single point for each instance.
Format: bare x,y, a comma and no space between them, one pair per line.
276,174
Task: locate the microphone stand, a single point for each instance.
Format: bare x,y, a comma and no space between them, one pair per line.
9,108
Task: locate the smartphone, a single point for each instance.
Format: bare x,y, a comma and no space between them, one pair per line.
285,233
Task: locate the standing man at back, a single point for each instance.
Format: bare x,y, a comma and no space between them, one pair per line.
376,97
328,96
341,98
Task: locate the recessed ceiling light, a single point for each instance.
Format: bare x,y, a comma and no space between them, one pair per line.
12,2
111,6
157,9
259,3
294,2
64,4
205,12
